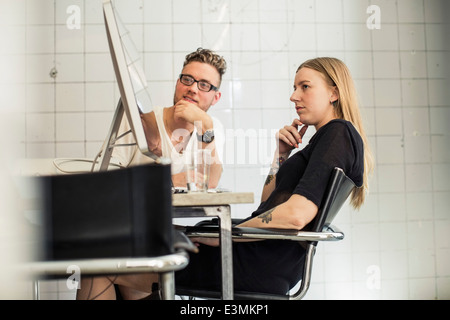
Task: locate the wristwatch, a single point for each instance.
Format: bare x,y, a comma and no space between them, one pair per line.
207,137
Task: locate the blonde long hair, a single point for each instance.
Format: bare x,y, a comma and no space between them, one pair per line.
346,107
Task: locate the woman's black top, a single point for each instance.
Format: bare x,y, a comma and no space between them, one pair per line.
307,172
274,266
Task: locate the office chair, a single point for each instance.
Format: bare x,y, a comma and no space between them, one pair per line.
109,222
338,190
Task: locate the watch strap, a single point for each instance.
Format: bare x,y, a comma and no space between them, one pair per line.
207,137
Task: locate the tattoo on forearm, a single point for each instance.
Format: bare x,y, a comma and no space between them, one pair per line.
271,175
269,179
281,160
273,171
266,217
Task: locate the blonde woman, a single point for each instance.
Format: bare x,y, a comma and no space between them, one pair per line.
324,97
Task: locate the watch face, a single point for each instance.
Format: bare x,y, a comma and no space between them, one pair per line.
208,136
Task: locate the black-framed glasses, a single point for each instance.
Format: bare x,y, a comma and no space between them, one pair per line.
201,84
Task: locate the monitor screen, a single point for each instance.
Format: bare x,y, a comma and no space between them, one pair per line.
134,95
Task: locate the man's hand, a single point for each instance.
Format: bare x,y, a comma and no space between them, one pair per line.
189,112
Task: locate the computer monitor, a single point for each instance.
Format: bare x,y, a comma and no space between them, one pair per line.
132,85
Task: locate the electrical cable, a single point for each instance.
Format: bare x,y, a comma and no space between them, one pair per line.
94,161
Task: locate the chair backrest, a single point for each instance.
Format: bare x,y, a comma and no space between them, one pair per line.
110,214
338,190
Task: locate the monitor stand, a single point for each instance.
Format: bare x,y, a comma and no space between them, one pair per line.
104,157
112,138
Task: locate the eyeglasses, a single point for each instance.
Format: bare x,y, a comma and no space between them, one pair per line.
201,84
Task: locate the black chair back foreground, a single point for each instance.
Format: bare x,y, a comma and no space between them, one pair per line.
320,229
118,213
109,222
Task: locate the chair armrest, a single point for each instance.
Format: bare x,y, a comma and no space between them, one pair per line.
333,228
182,242
172,262
267,234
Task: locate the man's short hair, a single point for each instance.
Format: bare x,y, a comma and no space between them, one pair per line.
209,57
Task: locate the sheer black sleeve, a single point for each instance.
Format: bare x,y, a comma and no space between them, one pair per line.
335,145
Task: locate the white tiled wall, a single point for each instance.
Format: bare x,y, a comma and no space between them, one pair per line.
397,246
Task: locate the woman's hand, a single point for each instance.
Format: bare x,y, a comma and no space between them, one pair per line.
289,137
213,242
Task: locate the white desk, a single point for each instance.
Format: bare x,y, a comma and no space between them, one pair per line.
214,205
207,199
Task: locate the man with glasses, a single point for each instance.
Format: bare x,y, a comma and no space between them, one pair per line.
175,131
